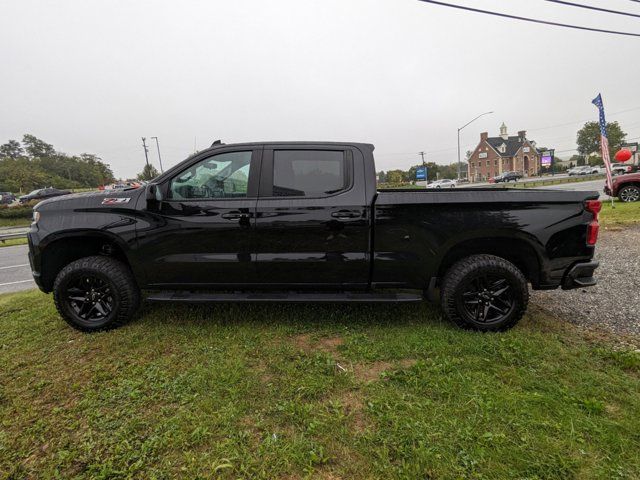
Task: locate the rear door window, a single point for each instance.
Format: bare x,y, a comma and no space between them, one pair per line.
309,173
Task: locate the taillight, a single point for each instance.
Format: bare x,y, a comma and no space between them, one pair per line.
594,207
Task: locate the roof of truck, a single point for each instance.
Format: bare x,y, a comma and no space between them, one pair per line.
300,143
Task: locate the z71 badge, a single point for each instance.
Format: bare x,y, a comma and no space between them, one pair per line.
115,200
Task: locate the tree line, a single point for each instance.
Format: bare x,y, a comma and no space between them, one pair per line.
434,172
34,163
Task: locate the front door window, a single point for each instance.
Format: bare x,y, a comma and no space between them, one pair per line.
223,176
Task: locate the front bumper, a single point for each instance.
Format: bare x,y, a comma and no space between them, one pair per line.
580,275
34,262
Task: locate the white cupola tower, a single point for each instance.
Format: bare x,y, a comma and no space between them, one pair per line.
503,132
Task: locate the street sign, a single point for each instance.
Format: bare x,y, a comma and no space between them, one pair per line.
421,173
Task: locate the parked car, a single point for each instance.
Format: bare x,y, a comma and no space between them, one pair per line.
43,193
582,170
507,177
7,198
625,187
622,168
590,170
444,183
304,222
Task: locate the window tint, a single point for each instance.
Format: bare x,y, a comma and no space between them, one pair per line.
221,176
308,173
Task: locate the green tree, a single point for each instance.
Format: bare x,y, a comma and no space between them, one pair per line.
595,160
149,172
11,149
588,137
20,175
382,177
395,176
38,165
37,148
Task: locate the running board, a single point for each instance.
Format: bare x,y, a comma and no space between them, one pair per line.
288,297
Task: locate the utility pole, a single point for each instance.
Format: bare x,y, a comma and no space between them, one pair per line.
159,159
146,150
426,179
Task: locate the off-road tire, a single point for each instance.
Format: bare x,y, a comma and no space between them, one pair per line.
122,286
458,278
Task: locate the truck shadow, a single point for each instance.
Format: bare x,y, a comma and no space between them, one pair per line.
315,315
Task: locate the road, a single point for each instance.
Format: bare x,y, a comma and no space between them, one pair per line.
596,185
15,273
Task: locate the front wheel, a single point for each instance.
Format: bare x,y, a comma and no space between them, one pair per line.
484,292
630,193
96,293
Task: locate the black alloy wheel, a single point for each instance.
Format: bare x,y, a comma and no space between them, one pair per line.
96,293
484,292
486,299
89,297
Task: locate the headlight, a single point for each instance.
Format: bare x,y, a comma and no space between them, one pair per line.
36,216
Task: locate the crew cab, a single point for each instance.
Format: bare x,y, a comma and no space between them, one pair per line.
304,222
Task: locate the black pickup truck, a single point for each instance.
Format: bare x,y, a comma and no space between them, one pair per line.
304,222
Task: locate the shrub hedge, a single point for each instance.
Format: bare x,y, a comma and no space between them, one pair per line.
19,211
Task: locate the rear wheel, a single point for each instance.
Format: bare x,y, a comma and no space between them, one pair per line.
484,292
96,293
630,193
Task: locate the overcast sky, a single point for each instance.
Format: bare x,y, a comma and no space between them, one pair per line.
91,76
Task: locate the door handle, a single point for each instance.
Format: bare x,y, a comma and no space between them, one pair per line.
346,214
234,216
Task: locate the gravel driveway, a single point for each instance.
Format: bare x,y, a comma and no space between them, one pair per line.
615,302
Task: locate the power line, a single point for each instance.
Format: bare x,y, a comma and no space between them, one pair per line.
527,19
582,121
599,9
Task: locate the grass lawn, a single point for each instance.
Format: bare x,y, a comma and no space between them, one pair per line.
622,213
295,391
15,222
14,241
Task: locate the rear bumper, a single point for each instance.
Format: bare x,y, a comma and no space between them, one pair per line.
580,275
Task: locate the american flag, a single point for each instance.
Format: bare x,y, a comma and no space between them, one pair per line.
604,141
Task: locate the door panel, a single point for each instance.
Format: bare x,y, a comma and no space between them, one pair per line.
317,240
202,235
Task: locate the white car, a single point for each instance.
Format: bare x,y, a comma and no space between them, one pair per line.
444,183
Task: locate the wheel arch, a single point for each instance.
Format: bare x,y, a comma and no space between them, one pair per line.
516,250
57,251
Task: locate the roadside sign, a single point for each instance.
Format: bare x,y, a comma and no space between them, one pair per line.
421,173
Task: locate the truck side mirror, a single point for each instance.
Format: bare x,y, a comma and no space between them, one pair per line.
153,192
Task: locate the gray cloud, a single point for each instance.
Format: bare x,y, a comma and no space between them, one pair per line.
96,76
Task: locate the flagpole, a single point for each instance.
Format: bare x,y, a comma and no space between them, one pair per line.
604,144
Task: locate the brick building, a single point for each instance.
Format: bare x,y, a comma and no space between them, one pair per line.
504,153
